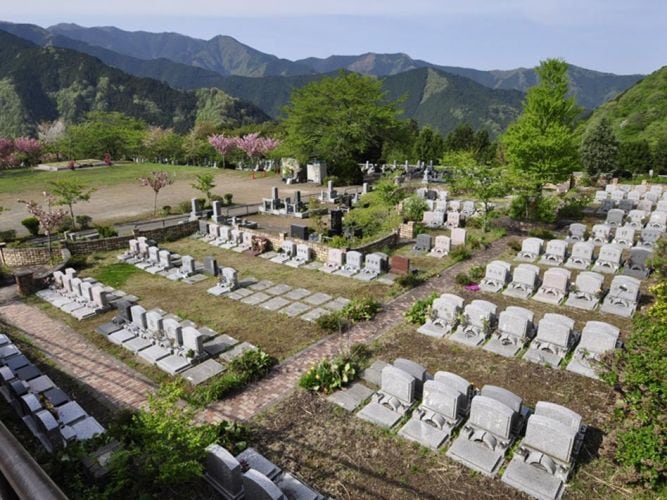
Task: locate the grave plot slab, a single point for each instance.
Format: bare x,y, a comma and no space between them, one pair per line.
373,374
297,294
220,344
236,351
239,294
293,488
476,456
173,364
268,255
84,313
318,299
260,286
275,303
312,266
87,428
121,336
137,344
154,354
203,371
259,462
314,314
337,304
247,282
387,279
529,479
424,434
70,307
351,397
41,384
255,298
281,289
60,302
195,278
379,415
107,329
294,309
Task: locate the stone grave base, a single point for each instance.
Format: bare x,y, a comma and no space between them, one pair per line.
351,397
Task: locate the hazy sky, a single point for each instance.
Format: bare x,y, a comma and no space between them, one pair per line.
620,36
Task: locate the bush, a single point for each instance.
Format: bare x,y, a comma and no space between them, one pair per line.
106,231
253,364
410,280
476,273
32,225
414,208
332,322
66,225
184,207
514,244
539,232
330,375
543,209
166,210
8,235
463,279
78,262
476,242
83,221
229,197
418,311
573,205
459,254
335,180
474,223
361,309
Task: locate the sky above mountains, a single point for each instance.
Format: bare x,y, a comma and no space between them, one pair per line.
619,36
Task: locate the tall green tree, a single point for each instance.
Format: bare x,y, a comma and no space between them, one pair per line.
70,192
599,149
635,157
341,120
483,182
428,146
114,133
660,156
540,147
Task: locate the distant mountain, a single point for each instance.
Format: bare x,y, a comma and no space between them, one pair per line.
591,88
639,113
430,96
222,54
152,54
45,83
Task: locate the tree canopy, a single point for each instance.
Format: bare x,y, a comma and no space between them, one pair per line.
541,145
599,149
340,120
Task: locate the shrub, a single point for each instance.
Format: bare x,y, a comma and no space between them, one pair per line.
573,205
332,322
32,225
414,208
253,364
330,375
229,197
474,223
539,232
361,309
460,254
83,221
184,207
338,242
335,180
166,210
514,244
463,279
418,311
410,280
543,209
78,262
8,235
476,273
106,231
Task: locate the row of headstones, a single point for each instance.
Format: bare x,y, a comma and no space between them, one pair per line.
435,219
275,204
46,410
635,194
622,298
226,237
637,219
441,245
514,329
252,476
163,340
602,233
609,259
353,264
150,258
79,297
490,420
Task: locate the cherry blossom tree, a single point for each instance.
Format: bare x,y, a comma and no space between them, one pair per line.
49,218
223,145
255,146
28,149
156,181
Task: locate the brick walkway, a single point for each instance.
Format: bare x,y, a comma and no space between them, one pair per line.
111,381
283,380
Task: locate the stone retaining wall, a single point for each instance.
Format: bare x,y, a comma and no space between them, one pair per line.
29,256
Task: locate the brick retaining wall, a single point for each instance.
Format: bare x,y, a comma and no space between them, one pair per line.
28,256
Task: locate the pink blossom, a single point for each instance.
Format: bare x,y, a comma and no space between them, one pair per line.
223,145
49,218
255,146
27,145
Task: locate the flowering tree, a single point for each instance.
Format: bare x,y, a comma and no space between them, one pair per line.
49,218
156,181
28,149
223,145
255,146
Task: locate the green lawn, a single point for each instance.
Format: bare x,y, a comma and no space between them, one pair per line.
17,181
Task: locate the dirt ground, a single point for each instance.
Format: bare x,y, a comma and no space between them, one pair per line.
131,201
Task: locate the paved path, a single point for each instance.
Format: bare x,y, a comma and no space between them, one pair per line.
284,378
112,382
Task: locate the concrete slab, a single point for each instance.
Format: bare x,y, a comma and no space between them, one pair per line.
373,374
314,314
294,309
239,294
137,344
261,285
337,304
297,294
154,354
351,397
318,299
280,289
275,303
236,351
203,371
220,344
173,364
255,298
